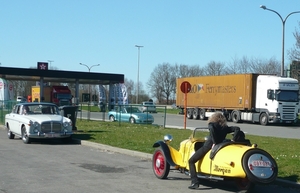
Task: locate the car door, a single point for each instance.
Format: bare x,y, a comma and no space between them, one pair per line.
124,115
13,119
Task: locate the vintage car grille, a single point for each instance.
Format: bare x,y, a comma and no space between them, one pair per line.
51,127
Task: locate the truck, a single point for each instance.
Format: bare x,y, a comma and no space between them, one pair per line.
251,97
60,95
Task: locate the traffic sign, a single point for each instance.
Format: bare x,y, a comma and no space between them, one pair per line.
185,87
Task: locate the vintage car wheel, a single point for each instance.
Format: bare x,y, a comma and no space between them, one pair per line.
25,137
259,166
160,166
112,118
10,135
244,185
132,120
263,119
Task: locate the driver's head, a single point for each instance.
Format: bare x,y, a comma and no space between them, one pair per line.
218,118
26,109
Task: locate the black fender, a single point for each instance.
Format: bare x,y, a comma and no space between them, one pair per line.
166,151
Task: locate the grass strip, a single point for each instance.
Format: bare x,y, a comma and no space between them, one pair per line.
142,137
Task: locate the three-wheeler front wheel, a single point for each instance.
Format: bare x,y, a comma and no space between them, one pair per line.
160,166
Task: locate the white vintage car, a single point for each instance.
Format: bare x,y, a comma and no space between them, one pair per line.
37,120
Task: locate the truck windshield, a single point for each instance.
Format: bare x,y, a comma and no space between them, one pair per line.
287,95
64,96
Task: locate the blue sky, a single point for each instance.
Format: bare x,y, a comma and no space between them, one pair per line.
190,32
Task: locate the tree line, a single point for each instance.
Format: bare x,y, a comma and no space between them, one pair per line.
162,81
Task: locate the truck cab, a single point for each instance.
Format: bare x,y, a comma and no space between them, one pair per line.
277,99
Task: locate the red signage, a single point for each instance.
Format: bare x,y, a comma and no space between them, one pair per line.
42,65
185,87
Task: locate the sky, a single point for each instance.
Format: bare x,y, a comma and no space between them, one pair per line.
190,32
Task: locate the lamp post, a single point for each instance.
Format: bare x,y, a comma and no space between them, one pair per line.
50,61
283,26
138,74
89,68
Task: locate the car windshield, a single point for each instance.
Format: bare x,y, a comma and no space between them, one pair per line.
64,96
40,109
132,110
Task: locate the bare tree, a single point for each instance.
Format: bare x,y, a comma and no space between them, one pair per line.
184,70
233,67
294,53
162,82
271,66
214,68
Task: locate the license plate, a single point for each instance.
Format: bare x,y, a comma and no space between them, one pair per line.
288,121
52,135
260,163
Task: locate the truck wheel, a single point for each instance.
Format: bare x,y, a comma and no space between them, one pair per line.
236,116
189,114
202,114
196,113
263,119
228,116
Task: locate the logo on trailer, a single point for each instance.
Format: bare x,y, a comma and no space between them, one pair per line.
200,87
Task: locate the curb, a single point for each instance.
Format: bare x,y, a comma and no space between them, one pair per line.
113,149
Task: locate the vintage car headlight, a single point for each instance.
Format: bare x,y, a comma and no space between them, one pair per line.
35,130
66,124
168,138
34,124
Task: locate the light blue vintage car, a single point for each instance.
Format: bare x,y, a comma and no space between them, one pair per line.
130,114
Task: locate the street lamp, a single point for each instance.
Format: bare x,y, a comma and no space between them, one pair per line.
138,73
50,61
283,26
89,67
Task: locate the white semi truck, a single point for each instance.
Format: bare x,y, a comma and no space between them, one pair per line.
242,97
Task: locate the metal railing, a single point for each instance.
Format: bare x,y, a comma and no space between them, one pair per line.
90,111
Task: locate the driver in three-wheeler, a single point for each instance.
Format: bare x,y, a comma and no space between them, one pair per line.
218,131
